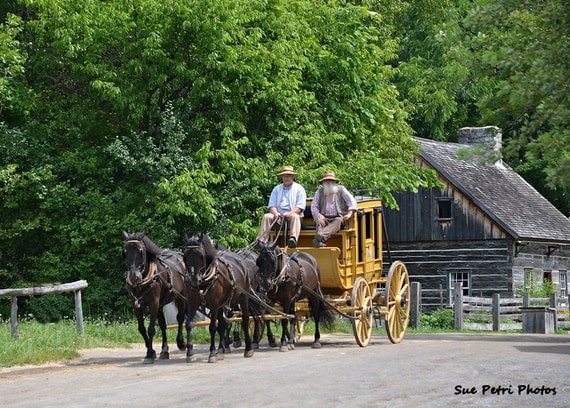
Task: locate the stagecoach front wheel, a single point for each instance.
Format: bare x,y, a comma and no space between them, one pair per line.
363,315
397,302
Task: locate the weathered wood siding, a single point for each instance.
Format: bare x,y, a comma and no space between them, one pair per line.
417,219
487,262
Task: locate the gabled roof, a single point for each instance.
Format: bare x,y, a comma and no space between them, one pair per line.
500,193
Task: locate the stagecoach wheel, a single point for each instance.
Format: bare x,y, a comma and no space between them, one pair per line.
397,302
363,317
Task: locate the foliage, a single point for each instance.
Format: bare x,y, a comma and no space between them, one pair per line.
440,319
174,116
520,50
536,287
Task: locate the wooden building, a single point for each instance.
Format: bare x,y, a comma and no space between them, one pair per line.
487,227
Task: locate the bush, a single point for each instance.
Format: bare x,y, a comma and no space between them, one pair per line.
440,319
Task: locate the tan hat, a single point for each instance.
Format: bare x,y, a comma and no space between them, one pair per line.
287,170
329,175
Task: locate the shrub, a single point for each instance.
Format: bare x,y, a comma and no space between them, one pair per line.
441,319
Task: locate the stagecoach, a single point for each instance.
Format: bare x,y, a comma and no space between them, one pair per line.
353,278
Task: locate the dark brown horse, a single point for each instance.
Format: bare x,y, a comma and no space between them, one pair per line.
155,277
288,278
221,281
256,308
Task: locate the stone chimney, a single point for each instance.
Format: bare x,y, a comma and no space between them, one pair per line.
486,140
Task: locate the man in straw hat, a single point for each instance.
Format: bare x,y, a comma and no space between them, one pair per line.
287,201
332,206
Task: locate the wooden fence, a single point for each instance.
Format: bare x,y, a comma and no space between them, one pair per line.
496,313
76,287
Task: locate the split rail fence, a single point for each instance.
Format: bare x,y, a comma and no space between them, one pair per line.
496,313
75,287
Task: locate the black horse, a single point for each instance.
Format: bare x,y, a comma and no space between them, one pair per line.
256,308
288,278
155,277
221,281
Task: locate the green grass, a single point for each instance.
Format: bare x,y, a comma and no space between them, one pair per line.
40,343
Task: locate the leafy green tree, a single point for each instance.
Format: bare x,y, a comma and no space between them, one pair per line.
520,50
172,116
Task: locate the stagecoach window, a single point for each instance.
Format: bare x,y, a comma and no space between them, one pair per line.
368,225
456,277
563,284
444,209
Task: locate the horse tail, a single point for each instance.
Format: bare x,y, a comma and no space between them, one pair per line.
326,317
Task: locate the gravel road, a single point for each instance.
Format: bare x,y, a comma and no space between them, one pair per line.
436,370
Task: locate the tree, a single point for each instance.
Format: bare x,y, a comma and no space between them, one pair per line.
171,116
520,49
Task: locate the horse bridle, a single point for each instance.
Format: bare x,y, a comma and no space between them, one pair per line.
208,271
149,276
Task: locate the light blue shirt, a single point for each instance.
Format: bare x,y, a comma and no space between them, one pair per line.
287,198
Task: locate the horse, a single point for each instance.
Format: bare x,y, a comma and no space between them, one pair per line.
220,279
256,309
154,278
287,278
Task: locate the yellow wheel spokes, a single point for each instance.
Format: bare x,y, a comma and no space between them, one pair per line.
362,317
397,302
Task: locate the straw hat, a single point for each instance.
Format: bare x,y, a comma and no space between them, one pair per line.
287,170
329,175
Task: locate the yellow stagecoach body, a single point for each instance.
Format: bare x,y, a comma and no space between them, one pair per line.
355,251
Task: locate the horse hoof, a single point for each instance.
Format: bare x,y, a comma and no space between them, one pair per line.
291,346
148,360
212,359
220,356
273,344
237,343
165,355
248,353
191,359
283,349
316,345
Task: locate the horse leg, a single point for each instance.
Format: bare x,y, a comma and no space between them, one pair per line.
291,336
236,340
284,333
223,329
180,315
139,312
151,354
212,328
315,307
245,327
190,313
270,336
164,354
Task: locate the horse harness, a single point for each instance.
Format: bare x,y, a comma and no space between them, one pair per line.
213,274
152,277
284,275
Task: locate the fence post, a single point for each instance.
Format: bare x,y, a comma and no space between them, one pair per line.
496,311
78,312
554,306
526,300
14,317
458,306
416,304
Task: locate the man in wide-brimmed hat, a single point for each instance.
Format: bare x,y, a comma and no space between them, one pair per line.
287,201
332,206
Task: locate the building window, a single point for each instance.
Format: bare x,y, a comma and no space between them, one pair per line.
456,277
444,209
563,284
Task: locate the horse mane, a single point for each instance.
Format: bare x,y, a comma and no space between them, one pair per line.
151,247
209,247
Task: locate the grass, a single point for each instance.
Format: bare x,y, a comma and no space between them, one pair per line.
40,343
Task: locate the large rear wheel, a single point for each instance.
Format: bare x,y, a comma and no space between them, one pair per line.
363,316
397,302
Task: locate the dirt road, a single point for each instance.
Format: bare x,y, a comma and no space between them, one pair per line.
423,371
